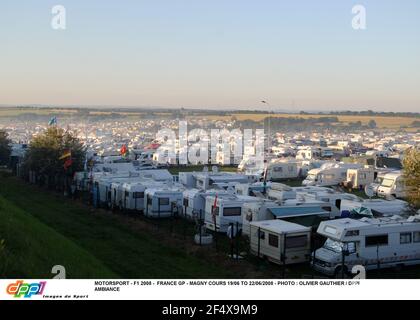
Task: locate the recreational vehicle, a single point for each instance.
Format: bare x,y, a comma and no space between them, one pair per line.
280,241
133,195
162,202
194,202
372,243
281,170
223,209
330,174
359,178
392,185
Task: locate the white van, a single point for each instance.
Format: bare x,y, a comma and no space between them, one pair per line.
372,243
162,202
280,170
223,209
392,185
330,174
280,241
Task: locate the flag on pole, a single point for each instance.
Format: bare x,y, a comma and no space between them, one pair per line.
124,150
66,154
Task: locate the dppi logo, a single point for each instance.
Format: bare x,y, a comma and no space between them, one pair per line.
27,290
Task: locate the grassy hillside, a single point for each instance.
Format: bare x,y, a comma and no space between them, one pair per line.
41,230
30,249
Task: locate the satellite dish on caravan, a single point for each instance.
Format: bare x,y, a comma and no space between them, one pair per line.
205,169
369,191
215,169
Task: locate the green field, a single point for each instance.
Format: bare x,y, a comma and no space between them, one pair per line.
41,230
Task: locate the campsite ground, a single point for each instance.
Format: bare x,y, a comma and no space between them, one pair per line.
40,229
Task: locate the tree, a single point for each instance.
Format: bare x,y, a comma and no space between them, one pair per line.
45,150
411,167
372,124
5,149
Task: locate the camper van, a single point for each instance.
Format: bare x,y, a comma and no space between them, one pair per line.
194,202
360,177
280,170
223,209
372,243
209,180
133,196
280,241
330,174
392,185
162,202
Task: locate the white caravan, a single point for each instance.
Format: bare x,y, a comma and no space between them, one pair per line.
162,202
392,185
280,241
194,202
133,195
372,243
360,177
209,180
330,174
260,211
223,209
280,170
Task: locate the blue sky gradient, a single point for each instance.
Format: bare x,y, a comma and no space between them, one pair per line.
212,54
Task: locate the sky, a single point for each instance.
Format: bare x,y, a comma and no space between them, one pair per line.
297,55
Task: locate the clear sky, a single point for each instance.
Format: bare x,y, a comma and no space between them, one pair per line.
212,54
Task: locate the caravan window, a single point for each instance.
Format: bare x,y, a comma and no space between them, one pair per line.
215,210
416,236
273,240
296,242
405,237
163,201
229,212
278,169
138,195
126,194
262,235
373,241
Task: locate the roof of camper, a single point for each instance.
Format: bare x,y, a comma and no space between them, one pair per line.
280,226
294,211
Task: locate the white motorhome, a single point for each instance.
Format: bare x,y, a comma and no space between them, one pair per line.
280,170
209,180
162,202
308,153
280,241
290,210
223,209
360,177
392,185
194,202
133,196
330,174
372,243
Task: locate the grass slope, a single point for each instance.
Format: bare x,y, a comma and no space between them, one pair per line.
31,249
127,253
